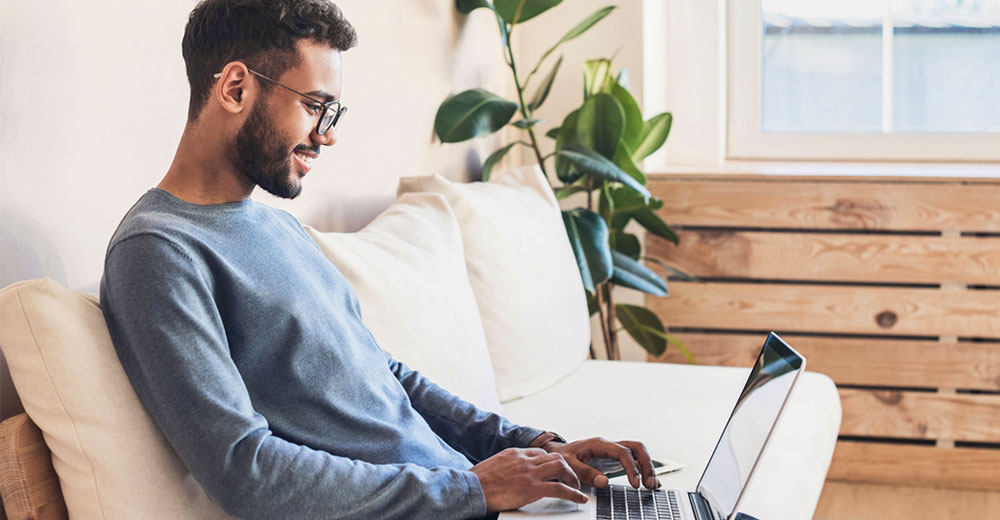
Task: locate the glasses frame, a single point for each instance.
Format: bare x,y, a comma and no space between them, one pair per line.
327,105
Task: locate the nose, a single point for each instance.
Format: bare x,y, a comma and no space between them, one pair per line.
327,139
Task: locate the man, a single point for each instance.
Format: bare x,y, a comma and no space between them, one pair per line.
247,347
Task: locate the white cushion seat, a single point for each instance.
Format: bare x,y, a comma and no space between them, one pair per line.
679,412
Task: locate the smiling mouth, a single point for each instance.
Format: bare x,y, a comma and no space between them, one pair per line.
304,159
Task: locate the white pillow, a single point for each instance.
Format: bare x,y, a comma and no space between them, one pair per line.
112,460
408,269
524,276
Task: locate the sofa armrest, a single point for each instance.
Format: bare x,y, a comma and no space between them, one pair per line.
28,483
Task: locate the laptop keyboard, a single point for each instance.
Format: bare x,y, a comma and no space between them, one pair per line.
628,503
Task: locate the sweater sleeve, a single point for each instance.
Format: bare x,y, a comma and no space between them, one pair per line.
477,434
159,306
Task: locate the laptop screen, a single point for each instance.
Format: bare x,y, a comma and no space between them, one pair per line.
754,415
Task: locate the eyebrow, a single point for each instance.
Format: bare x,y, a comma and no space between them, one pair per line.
322,94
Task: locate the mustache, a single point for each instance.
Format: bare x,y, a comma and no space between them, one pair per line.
310,149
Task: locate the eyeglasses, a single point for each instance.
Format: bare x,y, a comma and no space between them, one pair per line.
329,116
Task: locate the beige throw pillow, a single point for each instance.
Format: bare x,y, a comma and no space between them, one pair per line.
112,461
524,276
408,269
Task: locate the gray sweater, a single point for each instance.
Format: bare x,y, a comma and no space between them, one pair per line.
247,348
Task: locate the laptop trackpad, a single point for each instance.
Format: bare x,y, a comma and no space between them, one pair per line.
550,506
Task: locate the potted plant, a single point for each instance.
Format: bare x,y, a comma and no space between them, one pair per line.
596,151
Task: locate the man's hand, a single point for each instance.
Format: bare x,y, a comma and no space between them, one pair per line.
519,476
633,455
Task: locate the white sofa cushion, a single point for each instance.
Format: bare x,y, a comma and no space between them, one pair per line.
408,269
112,460
524,276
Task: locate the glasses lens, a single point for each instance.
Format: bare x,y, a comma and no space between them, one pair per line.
331,116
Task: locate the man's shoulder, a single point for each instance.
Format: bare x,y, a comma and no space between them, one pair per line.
152,219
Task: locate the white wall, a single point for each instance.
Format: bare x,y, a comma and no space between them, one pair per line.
93,99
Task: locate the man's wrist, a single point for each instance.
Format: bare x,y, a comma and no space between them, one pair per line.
547,441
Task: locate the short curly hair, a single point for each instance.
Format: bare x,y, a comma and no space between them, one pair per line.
260,33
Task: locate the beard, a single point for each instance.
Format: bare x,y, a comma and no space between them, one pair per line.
265,156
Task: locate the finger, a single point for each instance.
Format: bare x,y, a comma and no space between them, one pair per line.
641,454
623,455
533,452
588,474
557,490
558,469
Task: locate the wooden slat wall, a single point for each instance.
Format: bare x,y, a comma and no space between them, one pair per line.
889,286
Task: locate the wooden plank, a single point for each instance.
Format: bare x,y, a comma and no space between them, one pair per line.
818,308
828,203
26,465
920,415
858,501
909,465
867,362
858,258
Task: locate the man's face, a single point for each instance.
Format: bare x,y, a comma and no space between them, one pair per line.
278,141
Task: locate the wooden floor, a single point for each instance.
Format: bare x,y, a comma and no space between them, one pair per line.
858,501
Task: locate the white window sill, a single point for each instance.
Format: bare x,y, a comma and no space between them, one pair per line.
924,170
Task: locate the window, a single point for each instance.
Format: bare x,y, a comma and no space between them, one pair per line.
849,80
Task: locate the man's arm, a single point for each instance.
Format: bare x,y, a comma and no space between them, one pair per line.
513,477
477,434
172,344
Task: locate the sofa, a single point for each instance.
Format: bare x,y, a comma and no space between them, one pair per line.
475,285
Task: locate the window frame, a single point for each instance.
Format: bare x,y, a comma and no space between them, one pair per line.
713,51
746,140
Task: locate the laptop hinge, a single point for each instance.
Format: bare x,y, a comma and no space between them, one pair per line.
700,506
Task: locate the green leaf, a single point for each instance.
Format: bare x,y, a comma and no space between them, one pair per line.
604,203
587,23
644,327
471,114
522,124
588,236
565,171
623,158
553,133
580,28
675,273
596,75
567,191
493,159
600,124
625,243
595,164
591,303
655,225
467,6
654,134
632,274
543,90
517,11
633,116
627,201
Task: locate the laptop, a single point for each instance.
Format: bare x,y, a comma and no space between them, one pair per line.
721,488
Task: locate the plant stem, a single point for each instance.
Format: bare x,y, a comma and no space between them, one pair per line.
612,334
600,311
525,112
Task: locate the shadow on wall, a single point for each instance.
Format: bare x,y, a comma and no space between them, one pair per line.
26,253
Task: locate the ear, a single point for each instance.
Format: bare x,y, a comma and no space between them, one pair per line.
234,90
